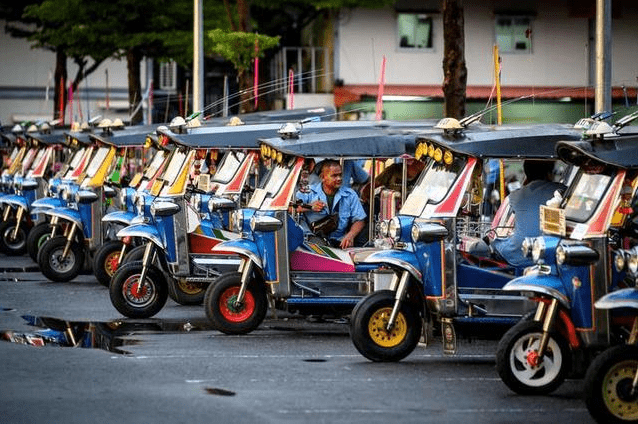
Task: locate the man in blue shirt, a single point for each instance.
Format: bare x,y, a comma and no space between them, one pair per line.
328,196
525,203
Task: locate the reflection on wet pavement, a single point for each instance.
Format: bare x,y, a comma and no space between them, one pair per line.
109,336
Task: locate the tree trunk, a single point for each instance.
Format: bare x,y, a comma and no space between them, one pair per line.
133,59
454,70
60,76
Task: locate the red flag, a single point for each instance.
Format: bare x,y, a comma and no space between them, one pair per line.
291,89
380,93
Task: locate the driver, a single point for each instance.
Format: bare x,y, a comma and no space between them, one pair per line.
328,196
525,202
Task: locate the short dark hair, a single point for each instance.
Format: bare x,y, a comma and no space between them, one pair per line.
538,169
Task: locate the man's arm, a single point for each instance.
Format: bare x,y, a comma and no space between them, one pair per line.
348,238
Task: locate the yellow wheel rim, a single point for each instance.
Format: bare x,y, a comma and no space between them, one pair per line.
618,380
189,288
378,332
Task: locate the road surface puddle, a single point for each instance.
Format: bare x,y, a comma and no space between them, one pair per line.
111,336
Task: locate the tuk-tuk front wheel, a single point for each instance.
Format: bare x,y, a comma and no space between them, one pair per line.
229,316
522,369
36,239
56,267
608,385
136,299
10,245
369,332
105,262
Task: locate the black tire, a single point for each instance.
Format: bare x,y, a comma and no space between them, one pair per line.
373,341
608,385
13,246
518,346
105,261
227,318
133,305
36,239
186,293
135,254
55,268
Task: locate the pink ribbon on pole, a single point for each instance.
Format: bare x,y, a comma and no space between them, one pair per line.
379,114
291,89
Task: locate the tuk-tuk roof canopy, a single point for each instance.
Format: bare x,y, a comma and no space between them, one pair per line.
128,137
319,113
505,141
620,151
54,137
248,136
382,142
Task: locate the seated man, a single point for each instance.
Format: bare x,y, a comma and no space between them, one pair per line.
329,197
537,189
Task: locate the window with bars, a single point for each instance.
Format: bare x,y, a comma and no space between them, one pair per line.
514,34
414,31
168,76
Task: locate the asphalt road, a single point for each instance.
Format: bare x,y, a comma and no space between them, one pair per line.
173,369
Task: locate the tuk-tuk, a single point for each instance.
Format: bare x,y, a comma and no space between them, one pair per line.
441,274
79,147
579,258
29,184
278,258
180,242
61,258
611,381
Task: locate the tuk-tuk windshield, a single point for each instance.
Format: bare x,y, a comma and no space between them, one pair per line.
228,167
98,160
75,161
173,168
434,183
157,161
276,178
583,199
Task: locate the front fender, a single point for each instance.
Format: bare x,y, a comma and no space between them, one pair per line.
47,203
145,231
16,200
72,215
243,247
549,285
623,298
396,258
121,217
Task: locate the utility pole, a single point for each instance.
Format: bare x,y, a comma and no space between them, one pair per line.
603,56
198,56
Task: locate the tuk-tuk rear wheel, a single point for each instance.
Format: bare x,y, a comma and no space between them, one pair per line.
105,262
186,293
368,328
227,316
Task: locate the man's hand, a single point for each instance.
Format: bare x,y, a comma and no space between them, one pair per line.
317,205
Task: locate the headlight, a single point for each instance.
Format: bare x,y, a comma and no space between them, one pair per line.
384,226
66,195
619,260
428,232
220,203
560,255
575,254
123,198
538,249
526,246
237,221
85,196
394,229
632,261
164,208
265,223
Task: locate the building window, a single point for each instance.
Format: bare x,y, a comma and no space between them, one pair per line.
414,30
168,76
514,34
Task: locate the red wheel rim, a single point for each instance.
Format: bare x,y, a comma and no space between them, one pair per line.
232,313
111,263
